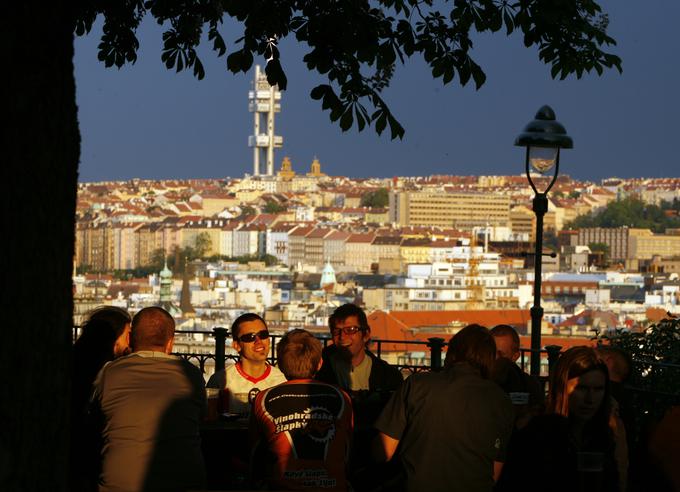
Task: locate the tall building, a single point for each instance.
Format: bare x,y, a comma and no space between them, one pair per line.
264,103
456,209
616,238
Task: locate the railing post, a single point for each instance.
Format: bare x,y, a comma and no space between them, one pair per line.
220,340
553,355
436,345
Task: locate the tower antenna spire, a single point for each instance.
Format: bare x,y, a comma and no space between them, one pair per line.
264,102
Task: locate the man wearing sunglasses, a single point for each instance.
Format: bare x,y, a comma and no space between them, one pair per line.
251,373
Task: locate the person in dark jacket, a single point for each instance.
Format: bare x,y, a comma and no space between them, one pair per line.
348,363
369,380
105,336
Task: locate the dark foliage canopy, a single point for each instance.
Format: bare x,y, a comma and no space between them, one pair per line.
632,212
376,199
356,44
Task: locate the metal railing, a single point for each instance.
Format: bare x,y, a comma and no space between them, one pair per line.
428,357
434,345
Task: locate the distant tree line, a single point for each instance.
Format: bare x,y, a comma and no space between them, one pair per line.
632,212
375,199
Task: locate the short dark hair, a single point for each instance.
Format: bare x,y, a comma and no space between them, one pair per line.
244,318
344,312
506,331
622,360
298,354
151,327
475,346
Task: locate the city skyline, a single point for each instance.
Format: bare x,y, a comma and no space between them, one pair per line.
144,121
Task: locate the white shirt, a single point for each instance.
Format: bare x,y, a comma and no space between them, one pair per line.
242,387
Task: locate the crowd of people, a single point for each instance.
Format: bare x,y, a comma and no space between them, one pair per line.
340,418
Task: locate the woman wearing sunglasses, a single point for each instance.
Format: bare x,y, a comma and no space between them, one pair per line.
251,373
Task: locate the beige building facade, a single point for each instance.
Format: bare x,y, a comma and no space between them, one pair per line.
449,209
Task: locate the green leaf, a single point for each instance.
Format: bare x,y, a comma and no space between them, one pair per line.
395,127
381,122
199,71
246,60
509,24
234,61
555,69
319,91
347,119
361,122
275,74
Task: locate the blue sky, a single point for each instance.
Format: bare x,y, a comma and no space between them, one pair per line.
145,121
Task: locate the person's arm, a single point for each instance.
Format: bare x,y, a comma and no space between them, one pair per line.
392,423
387,447
497,469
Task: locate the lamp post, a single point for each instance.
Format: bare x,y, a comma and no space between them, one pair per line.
543,138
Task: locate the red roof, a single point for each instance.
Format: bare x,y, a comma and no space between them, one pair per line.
404,325
361,238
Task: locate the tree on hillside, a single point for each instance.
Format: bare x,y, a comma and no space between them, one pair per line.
631,212
157,260
354,45
376,199
202,244
274,208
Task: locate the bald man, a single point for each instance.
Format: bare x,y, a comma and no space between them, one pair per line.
150,404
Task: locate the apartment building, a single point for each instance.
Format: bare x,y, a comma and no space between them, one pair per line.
249,240
358,252
523,221
277,242
616,238
149,239
314,246
461,210
643,245
415,250
334,248
296,245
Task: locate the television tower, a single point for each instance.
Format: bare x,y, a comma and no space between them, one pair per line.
264,102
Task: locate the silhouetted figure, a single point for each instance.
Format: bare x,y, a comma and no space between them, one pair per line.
105,335
525,391
150,404
451,428
572,447
305,425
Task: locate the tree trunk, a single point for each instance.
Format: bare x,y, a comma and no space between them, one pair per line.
40,169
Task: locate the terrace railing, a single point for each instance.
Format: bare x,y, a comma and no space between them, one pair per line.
425,356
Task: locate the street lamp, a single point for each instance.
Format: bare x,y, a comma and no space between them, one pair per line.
543,138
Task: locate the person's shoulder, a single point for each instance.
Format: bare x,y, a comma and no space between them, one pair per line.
217,380
276,374
121,363
380,362
231,373
190,368
491,389
328,350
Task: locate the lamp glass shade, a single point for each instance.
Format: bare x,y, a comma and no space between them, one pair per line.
542,159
